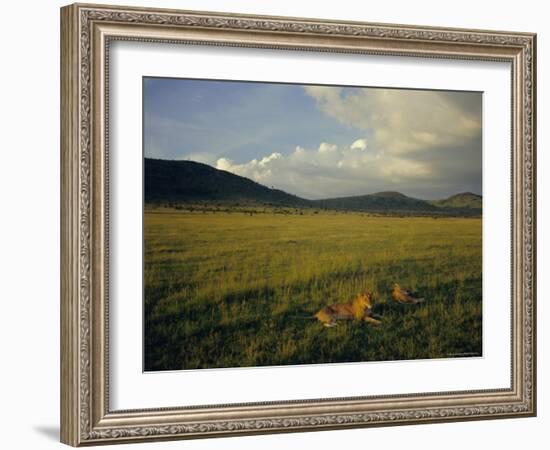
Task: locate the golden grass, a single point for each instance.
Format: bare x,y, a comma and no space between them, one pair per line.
232,289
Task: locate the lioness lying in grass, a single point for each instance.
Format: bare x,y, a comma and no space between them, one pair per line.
358,309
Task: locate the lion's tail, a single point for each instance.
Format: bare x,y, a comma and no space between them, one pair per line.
304,315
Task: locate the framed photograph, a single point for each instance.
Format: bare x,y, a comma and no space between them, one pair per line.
275,224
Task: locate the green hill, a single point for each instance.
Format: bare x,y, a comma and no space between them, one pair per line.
381,201
462,200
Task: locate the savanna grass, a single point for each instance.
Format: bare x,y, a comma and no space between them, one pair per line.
233,289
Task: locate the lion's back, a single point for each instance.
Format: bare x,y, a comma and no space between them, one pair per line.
342,310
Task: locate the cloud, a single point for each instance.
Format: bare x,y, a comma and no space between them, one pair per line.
359,144
329,170
403,121
352,141
422,143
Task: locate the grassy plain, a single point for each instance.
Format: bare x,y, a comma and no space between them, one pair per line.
234,289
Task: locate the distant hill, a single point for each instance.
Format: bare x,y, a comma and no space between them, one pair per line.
192,182
381,201
463,200
189,181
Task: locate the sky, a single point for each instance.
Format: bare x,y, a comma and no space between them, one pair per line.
320,141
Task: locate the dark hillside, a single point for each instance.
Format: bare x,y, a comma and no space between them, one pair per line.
189,181
381,201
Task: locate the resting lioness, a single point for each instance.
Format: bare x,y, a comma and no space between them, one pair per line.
358,309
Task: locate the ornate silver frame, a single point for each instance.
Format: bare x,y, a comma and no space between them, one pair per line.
86,31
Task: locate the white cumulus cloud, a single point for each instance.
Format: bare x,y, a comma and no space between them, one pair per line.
404,121
421,143
329,170
359,144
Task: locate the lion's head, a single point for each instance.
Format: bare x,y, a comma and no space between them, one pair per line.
365,300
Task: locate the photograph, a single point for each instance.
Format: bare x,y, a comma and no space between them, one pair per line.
291,224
